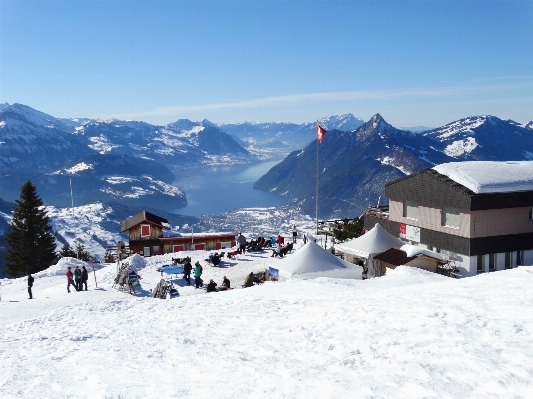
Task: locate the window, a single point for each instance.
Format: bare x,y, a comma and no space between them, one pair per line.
519,258
531,213
492,262
450,217
507,260
145,230
480,268
410,209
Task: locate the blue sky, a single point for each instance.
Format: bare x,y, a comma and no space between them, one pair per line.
415,62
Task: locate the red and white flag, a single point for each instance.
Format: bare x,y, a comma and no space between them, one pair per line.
320,132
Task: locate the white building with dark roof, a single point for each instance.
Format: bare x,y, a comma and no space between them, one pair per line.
479,214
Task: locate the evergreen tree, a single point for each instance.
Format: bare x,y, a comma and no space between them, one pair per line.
349,230
30,242
81,253
67,252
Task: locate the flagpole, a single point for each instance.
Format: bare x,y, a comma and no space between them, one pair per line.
316,179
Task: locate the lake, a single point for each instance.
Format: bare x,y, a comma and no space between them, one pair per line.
219,189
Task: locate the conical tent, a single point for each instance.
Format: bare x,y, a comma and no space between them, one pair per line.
374,242
312,261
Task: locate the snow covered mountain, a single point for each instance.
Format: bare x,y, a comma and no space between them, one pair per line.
112,160
484,138
282,137
354,166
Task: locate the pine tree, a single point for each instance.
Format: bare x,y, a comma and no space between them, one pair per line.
30,242
67,252
349,230
81,253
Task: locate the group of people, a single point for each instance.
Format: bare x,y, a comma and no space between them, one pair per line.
78,279
252,279
281,251
213,287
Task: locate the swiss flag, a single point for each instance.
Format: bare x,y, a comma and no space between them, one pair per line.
320,132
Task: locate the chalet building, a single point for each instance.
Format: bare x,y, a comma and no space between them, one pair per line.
145,232
208,242
477,214
146,237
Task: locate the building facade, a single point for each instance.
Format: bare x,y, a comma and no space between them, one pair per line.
480,232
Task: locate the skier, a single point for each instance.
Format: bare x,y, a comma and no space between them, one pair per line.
294,234
70,278
30,284
187,269
77,278
84,278
198,274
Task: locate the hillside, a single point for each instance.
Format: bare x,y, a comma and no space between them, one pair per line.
355,165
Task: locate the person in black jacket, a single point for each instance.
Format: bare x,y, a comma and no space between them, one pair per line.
84,278
187,269
212,286
30,284
226,283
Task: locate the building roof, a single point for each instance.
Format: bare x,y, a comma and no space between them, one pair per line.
394,257
489,176
143,217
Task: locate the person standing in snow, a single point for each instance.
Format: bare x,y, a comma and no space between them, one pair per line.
305,239
242,243
294,233
187,269
77,278
30,284
198,275
84,278
70,278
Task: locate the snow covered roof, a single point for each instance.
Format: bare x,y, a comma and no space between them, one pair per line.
375,241
311,258
413,250
490,177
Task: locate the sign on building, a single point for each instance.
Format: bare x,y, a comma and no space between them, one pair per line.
408,232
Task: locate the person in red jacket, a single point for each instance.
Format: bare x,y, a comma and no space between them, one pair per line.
70,278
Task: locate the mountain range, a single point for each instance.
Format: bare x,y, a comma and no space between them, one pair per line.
355,165
122,161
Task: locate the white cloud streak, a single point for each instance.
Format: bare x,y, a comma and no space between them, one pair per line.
357,95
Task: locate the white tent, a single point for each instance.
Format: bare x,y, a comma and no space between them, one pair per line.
374,242
312,261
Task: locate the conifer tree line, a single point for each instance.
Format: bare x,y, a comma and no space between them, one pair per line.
30,241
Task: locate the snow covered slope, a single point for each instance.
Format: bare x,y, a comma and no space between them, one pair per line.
483,138
408,335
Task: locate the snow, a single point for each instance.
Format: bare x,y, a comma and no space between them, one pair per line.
461,147
392,162
409,334
78,168
413,250
489,176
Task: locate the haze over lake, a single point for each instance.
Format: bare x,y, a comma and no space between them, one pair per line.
219,189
